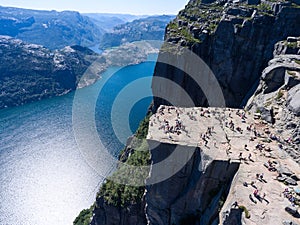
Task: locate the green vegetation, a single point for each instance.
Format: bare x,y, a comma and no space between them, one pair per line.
212,27
119,194
268,103
279,95
173,25
188,36
84,218
291,73
291,44
297,61
182,31
295,5
264,7
142,130
245,210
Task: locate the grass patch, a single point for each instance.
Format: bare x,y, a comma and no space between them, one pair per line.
264,7
292,45
279,95
188,36
142,130
295,6
297,61
291,73
84,217
212,27
173,26
119,194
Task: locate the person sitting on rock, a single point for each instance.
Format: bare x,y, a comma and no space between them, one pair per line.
235,205
261,176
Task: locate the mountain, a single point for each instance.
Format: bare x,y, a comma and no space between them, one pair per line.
236,41
150,28
108,21
30,72
277,97
51,29
209,160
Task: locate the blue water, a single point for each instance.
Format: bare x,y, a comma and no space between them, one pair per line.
45,177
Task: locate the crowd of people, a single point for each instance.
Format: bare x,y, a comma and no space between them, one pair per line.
260,135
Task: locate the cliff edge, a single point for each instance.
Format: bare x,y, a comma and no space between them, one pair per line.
235,39
220,165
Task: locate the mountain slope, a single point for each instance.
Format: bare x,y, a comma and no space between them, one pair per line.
51,29
150,28
235,40
31,72
108,21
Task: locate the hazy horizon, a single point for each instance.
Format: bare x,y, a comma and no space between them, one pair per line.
133,7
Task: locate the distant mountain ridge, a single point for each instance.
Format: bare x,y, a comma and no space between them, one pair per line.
149,28
51,29
55,30
107,21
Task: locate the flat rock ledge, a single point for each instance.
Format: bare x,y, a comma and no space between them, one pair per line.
261,186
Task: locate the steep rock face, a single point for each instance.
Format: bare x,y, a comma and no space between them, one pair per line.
277,97
235,40
105,214
31,72
191,195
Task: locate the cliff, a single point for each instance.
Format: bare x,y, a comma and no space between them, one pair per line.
235,40
209,160
277,97
204,166
222,165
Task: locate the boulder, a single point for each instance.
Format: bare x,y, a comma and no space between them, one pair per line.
293,101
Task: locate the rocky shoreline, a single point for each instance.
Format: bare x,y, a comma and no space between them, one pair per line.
32,72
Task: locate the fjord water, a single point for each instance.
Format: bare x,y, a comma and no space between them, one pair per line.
44,179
